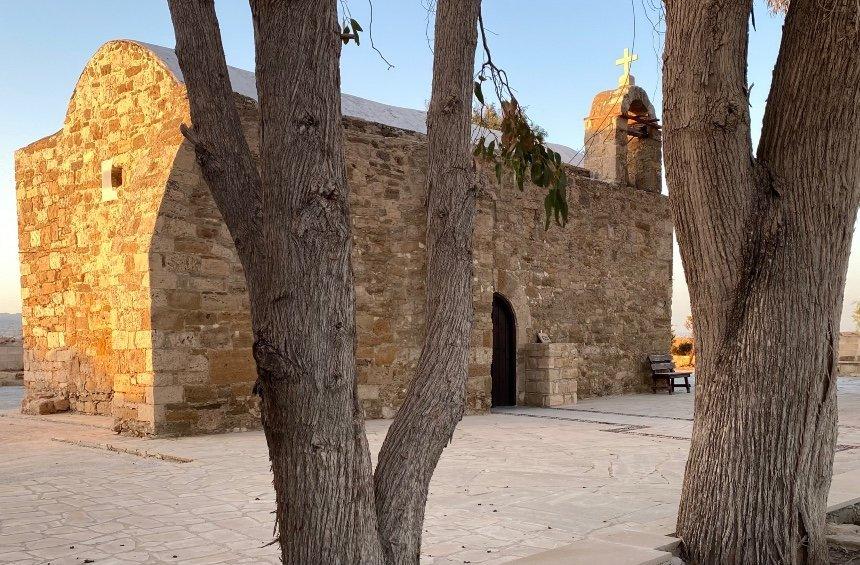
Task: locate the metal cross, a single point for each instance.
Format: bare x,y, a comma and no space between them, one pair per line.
625,62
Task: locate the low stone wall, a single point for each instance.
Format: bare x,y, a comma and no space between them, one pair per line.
849,354
12,356
11,362
551,374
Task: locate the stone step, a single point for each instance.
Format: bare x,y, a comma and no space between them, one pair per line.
844,490
646,540
592,551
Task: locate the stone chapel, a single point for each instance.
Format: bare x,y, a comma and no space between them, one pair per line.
134,299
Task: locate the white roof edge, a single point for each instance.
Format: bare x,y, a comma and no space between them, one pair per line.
244,83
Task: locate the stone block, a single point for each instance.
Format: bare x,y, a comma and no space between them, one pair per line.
545,362
230,366
39,406
61,405
179,413
202,394
172,394
553,400
533,399
385,355
368,392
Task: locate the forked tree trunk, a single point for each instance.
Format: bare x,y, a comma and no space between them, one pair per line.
436,399
765,243
290,223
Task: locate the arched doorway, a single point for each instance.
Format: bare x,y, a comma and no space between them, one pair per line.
504,367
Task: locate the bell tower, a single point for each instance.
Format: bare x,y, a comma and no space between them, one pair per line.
623,141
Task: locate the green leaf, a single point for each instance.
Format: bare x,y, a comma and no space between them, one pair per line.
478,94
537,173
355,25
479,147
499,173
564,210
560,204
547,206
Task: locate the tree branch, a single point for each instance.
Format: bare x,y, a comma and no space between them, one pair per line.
436,399
370,33
222,151
708,150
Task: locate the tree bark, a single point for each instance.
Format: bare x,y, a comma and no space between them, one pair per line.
436,399
765,244
305,342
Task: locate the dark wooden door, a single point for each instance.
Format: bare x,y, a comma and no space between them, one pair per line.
504,367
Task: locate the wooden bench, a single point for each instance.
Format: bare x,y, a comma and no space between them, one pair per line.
663,374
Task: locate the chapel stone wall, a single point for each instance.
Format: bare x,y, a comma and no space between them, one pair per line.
200,314
603,282
849,354
84,260
135,303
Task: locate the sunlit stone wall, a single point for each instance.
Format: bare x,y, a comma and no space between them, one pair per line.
84,257
135,303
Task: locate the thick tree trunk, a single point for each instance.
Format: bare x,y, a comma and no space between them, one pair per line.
305,341
436,399
765,244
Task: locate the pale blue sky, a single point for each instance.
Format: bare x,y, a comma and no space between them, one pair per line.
558,53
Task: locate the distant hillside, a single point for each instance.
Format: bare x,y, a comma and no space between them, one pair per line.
10,325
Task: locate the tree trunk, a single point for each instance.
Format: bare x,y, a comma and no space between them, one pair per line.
305,341
436,399
765,245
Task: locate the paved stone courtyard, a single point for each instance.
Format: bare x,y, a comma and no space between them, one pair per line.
511,484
